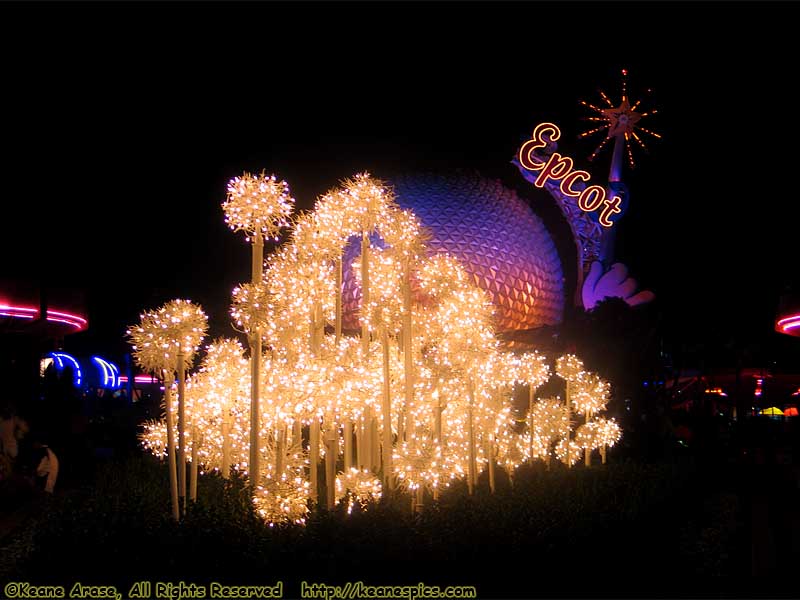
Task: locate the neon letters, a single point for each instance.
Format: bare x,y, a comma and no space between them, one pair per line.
560,168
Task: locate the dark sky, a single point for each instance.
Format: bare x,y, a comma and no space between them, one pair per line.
121,124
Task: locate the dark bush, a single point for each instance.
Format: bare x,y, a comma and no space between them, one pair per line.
599,524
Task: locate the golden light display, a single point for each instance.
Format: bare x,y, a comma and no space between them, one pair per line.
164,343
421,399
177,328
258,204
357,487
251,307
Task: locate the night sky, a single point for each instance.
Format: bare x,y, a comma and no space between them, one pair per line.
122,123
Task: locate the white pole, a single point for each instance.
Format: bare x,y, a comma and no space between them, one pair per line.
257,271
182,431
338,326
348,445
473,467
490,455
319,328
569,415
387,417
226,444
368,438
587,456
331,453
437,422
408,337
195,458
360,442
313,457
375,444
279,452
530,422
364,293
171,446
297,433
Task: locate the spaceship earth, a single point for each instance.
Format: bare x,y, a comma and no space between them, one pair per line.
502,244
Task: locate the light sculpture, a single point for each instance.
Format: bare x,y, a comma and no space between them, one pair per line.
260,206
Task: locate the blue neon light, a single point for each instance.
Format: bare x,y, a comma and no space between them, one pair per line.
109,373
59,358
117,383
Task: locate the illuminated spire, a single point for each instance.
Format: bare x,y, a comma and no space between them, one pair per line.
620,123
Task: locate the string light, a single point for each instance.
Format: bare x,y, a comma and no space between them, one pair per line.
178,326
357,487
258,205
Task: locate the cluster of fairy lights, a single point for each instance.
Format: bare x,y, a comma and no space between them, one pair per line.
168,334
357,488
462,381
258,204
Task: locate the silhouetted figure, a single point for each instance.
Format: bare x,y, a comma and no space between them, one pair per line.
39,464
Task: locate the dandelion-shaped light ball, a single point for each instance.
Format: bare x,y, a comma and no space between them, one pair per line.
154,438
403,232
590,394
549,423
533,369
608,431
258,204
147,344
575,451
178,326
367,200
586,436
442,274
357,487
569,367
282,501
318,235
424,463
251,306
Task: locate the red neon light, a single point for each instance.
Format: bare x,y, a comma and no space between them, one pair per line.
65,316
786,324
14,314
55,316
138,379
792,318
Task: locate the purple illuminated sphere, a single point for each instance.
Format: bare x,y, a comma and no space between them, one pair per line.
502,244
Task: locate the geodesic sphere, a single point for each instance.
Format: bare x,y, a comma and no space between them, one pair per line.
502,244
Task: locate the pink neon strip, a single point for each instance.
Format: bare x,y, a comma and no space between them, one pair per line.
19,308
66,316
787,319
55,316
790,326
138,379
73,323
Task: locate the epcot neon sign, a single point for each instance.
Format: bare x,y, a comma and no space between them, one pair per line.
560,168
